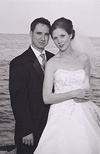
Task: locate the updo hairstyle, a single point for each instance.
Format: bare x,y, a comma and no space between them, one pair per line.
65,24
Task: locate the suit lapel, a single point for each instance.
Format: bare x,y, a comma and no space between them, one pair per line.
36,64
38,69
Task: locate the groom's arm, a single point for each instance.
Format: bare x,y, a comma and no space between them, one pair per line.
19,101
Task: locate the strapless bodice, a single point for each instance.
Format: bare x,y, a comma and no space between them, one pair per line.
71,127
65,80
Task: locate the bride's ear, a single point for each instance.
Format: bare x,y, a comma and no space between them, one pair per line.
70,36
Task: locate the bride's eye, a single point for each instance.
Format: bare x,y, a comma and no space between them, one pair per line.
62,35
54,38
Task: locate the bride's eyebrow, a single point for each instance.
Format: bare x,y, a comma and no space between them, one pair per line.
62,35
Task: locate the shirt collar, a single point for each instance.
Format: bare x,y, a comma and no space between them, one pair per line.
37,53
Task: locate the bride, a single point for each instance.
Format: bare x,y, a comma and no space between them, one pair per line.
73,124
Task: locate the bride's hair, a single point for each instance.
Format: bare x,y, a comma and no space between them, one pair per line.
79,42
65,24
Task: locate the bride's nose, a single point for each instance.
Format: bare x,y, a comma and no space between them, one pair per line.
59,41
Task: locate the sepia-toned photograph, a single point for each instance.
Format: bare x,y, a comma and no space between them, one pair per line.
49,77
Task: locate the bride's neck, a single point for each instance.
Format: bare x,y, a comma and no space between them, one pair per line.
68,53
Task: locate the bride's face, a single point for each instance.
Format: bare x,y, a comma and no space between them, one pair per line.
61,39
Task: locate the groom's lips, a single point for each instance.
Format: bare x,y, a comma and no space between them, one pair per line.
42,43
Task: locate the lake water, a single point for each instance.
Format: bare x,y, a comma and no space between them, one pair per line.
12,45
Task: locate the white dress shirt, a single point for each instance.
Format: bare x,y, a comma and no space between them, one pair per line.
38,54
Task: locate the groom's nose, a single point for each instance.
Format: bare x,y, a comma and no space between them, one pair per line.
43,37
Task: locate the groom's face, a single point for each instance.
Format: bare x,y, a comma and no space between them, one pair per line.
40,36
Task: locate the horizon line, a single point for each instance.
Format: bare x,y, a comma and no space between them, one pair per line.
9,33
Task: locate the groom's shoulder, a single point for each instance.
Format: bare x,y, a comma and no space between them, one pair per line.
49,53
20,58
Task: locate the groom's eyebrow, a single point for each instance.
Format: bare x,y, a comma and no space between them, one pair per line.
39,32
42,32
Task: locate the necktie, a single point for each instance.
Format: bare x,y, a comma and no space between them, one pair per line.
43,60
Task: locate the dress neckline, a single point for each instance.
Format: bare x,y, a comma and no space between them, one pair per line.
69,70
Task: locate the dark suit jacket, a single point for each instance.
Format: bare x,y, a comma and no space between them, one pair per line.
25,85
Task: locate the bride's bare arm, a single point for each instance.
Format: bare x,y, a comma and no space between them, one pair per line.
53,98
87,68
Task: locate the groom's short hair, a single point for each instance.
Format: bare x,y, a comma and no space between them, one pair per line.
40,20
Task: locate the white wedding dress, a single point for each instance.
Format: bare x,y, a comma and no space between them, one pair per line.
72,128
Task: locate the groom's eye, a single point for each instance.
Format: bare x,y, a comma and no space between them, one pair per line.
47,34
38,33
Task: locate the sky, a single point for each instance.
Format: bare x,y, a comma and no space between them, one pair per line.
17,15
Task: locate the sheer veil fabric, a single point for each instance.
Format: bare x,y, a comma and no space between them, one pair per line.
82,43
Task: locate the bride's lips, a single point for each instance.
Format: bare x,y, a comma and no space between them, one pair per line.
61,45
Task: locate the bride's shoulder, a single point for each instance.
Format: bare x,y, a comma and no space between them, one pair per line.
83,56
51,62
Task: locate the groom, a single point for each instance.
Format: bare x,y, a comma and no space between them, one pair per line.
25,86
